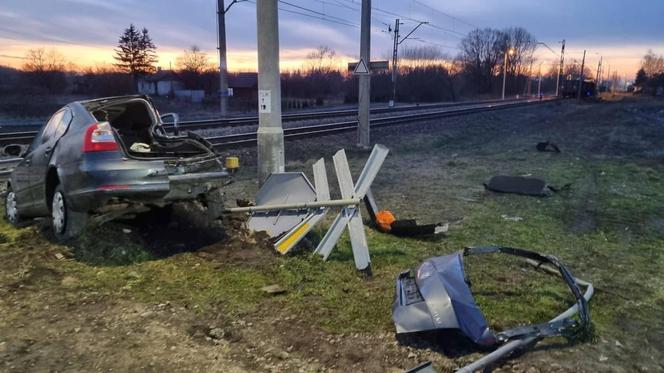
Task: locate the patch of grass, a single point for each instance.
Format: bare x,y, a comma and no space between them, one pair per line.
109,246
183,279
608,228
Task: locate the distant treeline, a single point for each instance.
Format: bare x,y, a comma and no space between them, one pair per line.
650,77
425,73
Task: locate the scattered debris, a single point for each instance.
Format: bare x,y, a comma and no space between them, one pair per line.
139,147
241,202
530,186
273,289
386,222
439,297
423,368
126,230
511,218
548,146
59,256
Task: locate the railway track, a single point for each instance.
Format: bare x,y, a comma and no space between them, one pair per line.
23,137
249,138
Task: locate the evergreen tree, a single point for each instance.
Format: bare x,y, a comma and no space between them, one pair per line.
641,78
136,53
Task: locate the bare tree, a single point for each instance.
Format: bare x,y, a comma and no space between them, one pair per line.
45,70
652,64
193,60
421,56
480,53
40,60
573,70
523,43
321,60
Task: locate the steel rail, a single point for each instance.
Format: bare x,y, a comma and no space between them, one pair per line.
319,130
249,138
27,136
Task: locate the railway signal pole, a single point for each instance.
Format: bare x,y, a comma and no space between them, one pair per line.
270,134
582,78
560,70
223,64
395,55
364,94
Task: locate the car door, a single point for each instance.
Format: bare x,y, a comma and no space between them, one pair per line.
20,179
41,155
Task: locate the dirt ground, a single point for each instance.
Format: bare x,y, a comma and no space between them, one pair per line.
155,294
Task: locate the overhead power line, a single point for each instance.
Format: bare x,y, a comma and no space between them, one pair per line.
446,14
315,14
311,14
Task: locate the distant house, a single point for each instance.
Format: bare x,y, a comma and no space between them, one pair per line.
161,83
245,90
244,85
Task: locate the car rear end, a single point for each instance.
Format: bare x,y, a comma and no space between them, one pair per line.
107,171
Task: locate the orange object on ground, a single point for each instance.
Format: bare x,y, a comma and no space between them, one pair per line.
384,220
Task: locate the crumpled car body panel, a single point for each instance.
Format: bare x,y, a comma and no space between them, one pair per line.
444,300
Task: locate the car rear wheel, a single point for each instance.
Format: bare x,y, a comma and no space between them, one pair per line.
11,211
67,223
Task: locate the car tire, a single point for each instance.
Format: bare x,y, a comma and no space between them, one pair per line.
67,223
11,211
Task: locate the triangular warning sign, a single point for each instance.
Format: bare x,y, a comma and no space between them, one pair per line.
361,68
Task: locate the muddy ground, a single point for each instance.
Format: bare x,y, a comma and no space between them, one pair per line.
159,293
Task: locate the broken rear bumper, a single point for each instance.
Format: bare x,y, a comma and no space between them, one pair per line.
93,183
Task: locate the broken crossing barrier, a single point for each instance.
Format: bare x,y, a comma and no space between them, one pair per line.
288,206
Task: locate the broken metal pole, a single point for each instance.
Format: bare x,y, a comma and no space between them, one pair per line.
270,133
296,206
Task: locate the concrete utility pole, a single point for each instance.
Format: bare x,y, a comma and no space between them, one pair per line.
582,78
507,52
270,133
539,82
364,94
223,65
560,70
599,68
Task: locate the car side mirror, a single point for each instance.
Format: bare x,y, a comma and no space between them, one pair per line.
13,150
175,120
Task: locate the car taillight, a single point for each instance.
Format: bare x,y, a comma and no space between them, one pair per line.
99,138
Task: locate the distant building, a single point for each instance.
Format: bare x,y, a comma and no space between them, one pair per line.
161,83
244,85
165,83
245,90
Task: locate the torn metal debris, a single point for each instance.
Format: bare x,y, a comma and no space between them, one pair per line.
438,296
547,146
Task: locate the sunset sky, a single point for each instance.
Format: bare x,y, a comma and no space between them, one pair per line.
86,31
